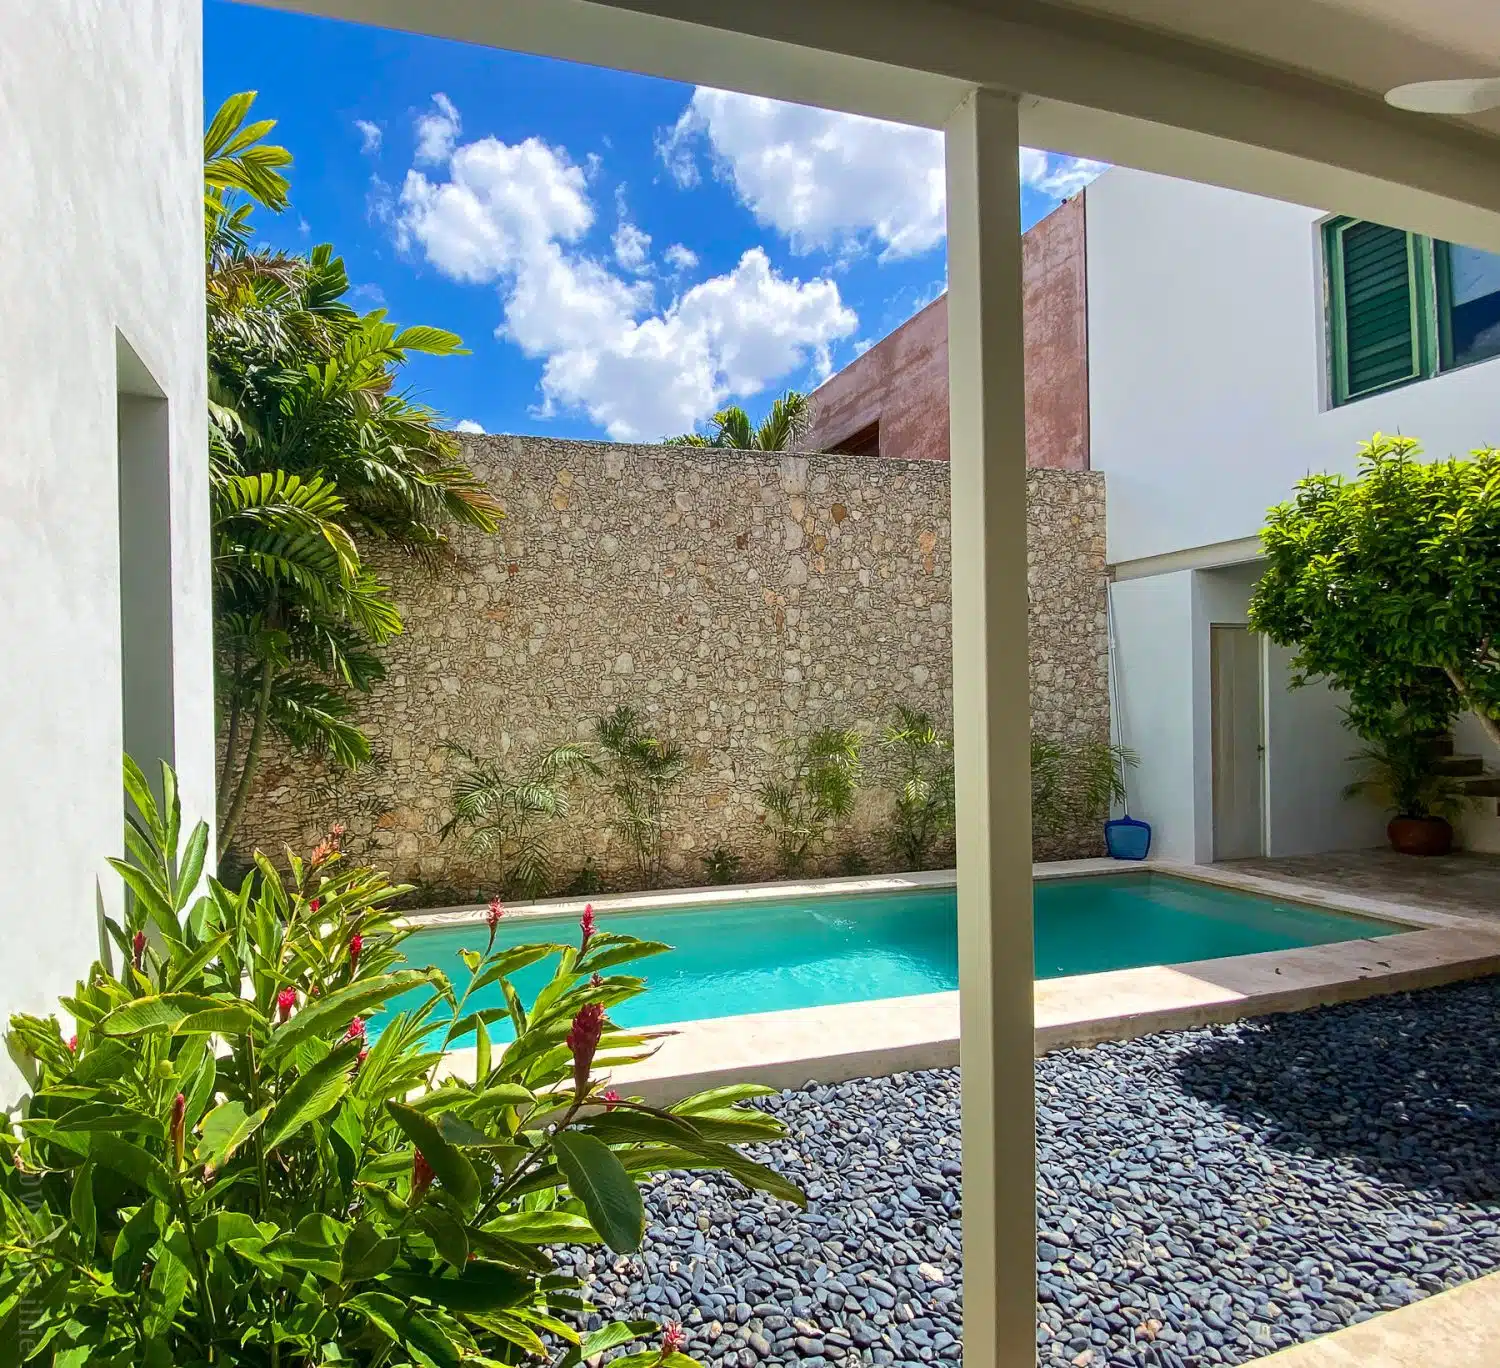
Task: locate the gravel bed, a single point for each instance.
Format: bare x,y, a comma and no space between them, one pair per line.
1205,1197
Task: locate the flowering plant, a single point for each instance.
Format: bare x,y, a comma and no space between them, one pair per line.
229,1165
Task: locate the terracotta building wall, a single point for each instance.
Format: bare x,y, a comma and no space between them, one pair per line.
901,383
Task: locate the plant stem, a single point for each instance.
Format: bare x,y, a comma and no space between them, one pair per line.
252,757
1490,725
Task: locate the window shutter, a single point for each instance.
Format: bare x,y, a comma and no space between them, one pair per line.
1377,308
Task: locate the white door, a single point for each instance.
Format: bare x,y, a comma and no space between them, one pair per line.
1238,742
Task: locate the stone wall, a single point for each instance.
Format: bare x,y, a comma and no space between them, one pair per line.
733,598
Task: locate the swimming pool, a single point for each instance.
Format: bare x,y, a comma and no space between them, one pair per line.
773,954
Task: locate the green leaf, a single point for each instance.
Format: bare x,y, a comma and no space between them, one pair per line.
367,1253
629,1125
453,1170
160,1013
224,1130
608,1193
726,1096
318,1091
134,1243
168,1285
331,1015
481,1054
543,1227
447,1232
230,1018
457,1131
482,1286
190,866
132,1162
406,1326
81,1209
179,971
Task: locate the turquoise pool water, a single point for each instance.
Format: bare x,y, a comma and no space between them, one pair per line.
771,955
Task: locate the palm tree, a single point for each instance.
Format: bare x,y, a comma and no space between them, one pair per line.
641,772
312,451
782,429
508,815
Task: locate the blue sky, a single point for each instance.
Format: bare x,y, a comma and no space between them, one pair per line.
622,255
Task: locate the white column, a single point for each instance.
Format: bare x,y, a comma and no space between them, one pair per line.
991,720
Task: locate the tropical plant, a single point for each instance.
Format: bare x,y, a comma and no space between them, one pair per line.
640,771
223,1164
1388,586
922,758
311,452
784,427
1399,770
722,866
511,817
819,781
1074,785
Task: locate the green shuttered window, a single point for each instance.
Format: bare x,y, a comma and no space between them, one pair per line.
1380,307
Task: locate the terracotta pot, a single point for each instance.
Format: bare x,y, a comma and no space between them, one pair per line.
1420,835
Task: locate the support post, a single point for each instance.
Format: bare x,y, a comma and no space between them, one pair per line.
992,731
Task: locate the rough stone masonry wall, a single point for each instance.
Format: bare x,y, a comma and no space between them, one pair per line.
734,598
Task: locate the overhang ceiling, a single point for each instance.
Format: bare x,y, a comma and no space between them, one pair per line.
1365,45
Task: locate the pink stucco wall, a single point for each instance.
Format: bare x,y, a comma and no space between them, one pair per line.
902,381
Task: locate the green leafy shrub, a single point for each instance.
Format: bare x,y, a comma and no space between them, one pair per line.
721,865
922,819
820,780
1399,770
1074,785
512,817
222,1167
640,770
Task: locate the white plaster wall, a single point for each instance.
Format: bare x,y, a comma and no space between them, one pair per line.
100,153
1154,707
1207,369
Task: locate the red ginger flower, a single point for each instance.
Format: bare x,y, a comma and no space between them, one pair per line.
611,1100
314,904
356,949
72,1044
421,1176
356,1029
586,925
495,913
673,1337
583,1040
360,1058
138,949
286,999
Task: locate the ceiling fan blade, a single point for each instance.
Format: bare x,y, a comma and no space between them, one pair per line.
1470,96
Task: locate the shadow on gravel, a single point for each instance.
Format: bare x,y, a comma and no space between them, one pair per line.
1406,1087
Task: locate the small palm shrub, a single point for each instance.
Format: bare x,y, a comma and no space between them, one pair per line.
819,783
922,818
640,771
721,865
1074,786
512,817
220,1166
1399,769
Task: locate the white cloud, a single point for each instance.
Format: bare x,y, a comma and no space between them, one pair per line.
632,247
437,131
836,181
680,258
468,425
514,215
371,135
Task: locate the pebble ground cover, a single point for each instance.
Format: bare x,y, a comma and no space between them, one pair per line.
1204,1197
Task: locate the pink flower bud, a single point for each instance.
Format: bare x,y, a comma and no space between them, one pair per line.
356,1029
356,948
611,1100
360,1058
596,980
179,1116
138,949
495,913
672,1339
421,1176
286,999
72,1044
586,925
320,852
314,904
583,1041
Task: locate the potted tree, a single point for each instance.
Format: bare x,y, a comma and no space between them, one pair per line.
1400,770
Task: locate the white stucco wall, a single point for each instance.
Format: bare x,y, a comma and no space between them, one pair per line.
100,154
1206,365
